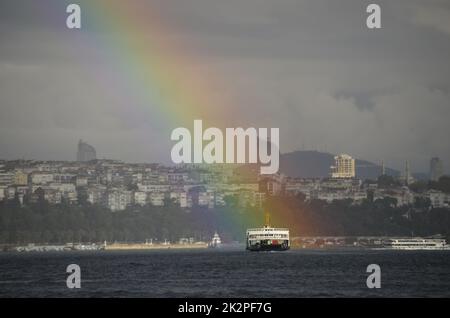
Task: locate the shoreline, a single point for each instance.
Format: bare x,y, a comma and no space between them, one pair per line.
143,246
99,247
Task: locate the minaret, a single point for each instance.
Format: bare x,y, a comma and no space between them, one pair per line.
407,173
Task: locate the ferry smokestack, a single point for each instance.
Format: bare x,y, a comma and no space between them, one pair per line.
267,219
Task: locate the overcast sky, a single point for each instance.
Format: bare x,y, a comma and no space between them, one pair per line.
310,67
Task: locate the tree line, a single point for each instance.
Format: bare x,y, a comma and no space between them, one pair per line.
65,223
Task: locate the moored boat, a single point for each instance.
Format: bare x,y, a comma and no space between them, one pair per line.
215,241
416,243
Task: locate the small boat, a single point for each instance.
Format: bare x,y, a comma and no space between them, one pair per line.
215,241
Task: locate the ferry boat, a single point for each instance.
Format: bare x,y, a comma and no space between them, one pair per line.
416,243
268,238
215,241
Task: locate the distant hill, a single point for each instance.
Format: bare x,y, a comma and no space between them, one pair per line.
309,164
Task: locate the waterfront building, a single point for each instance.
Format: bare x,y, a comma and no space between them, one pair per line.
157,198
119,199
97,195
140,198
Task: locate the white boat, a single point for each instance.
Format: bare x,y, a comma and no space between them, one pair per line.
215,241
416,243
268,238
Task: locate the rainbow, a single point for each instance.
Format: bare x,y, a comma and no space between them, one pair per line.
155,69
161,70
156,74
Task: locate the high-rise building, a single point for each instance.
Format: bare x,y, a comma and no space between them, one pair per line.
436,169
85,152
407,177
344,167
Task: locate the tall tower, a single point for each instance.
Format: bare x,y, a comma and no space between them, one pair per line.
85,152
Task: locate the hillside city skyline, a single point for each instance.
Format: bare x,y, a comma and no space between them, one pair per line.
92,154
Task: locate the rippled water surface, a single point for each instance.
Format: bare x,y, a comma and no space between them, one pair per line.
226,273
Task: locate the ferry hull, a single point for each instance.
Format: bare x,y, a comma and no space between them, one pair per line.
268,247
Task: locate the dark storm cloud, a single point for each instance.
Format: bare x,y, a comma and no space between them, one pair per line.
310,67
362,100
